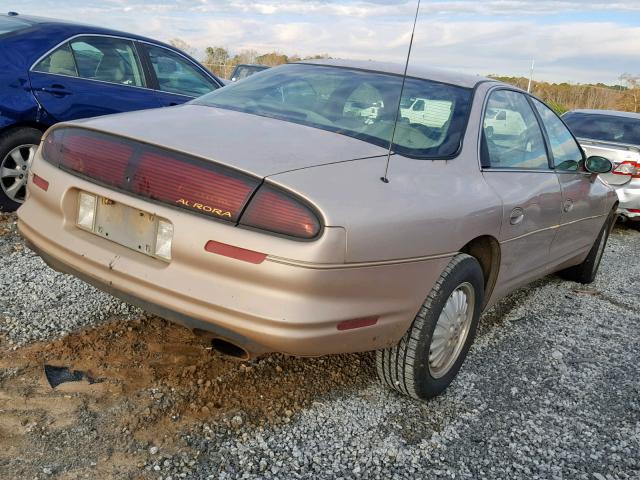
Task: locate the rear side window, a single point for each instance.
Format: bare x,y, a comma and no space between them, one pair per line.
60,62
178,75
8,25
108,59
512,136
606,128
566,152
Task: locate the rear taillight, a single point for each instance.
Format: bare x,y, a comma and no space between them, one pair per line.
169,177
215,192
180,180
628,168
276,211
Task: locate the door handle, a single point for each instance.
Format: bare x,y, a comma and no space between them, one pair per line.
56,89
517,215
568,206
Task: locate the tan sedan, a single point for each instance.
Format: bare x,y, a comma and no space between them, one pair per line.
262,213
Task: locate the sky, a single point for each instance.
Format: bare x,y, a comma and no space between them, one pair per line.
577,41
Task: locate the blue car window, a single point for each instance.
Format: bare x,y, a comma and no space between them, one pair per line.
59,62
108,59
177,75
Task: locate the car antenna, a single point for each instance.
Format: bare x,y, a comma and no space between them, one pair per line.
385,178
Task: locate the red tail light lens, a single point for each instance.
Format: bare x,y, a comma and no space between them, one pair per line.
276,211
211,191
628,168
169,177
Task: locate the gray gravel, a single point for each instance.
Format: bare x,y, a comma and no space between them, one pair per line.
550,390
37,303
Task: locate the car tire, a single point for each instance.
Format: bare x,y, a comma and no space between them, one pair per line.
25,141
586,271
412,367
488,132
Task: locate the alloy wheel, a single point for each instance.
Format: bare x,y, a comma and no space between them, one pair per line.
14,169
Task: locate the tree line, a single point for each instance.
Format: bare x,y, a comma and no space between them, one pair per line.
567,96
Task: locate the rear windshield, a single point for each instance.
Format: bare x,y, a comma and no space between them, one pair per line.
10,24
356,103
244,71
607,128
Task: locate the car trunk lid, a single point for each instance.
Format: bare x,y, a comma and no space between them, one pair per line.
257,145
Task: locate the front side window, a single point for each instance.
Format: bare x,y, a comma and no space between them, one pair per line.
566,152
60,62
512,137
177,75
355,103
107,59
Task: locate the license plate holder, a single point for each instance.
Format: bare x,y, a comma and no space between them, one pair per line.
127,226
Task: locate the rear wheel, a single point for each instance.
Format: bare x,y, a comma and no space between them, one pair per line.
586,272
17,149
432,351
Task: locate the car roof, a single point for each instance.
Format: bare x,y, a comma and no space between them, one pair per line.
77,27
611,113
435,74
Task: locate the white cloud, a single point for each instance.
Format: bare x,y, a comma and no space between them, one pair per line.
489,36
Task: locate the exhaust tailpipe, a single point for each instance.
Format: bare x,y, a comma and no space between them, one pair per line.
230,349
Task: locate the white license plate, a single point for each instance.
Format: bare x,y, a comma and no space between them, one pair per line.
127,226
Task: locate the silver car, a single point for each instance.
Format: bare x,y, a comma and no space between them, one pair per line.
616,136
265,213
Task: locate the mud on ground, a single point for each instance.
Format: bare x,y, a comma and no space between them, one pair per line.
153,380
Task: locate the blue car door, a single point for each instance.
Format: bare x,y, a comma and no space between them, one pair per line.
177,78
89,76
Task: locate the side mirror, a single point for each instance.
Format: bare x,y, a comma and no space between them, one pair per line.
597,165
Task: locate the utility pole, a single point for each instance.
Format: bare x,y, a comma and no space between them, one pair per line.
533,63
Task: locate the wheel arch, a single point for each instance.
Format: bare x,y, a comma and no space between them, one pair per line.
25,124
486,250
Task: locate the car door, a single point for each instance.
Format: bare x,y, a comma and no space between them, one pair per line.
516,165
91,75
175,77
583,195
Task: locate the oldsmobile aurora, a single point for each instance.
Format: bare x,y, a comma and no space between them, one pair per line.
261,212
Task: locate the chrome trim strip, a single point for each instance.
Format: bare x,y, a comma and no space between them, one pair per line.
553,227
340,266
69,39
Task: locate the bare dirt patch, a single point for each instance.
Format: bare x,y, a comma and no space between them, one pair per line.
154,380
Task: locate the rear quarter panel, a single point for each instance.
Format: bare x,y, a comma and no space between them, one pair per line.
429,207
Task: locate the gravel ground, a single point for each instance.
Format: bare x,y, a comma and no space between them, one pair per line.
550,390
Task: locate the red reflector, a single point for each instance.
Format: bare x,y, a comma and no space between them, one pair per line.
40,182
357,323
634,210
276,211
235,252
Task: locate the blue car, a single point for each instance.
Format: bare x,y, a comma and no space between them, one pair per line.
53,71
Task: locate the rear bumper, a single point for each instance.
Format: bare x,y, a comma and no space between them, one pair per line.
629,196
283,305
